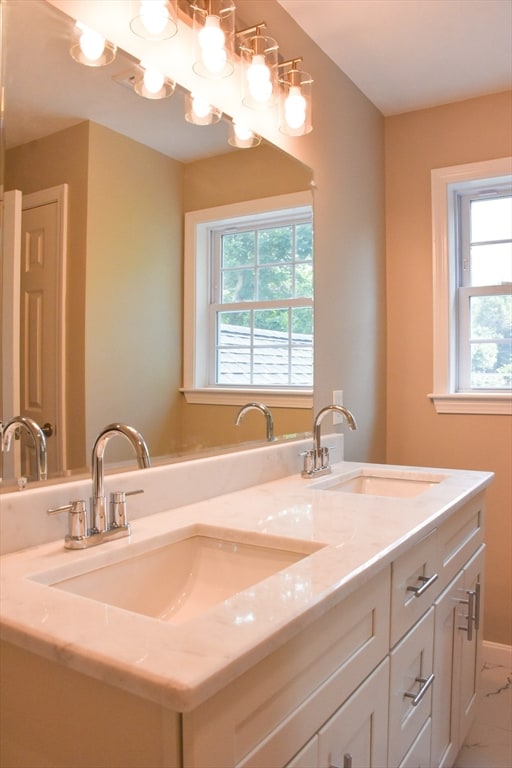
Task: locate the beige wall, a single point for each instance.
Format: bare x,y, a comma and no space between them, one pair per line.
263,171
134,288
464,132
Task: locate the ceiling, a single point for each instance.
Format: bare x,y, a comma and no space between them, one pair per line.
411,54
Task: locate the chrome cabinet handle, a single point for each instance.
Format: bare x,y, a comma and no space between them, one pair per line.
426,682
427,582
473,614
477,605
347,761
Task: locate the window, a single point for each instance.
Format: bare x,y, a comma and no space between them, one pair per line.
472,238
249,302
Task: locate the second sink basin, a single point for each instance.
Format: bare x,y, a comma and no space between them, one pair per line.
383,482
184,578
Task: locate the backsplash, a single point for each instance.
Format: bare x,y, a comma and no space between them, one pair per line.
24,522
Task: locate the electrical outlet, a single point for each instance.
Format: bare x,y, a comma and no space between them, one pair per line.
337,399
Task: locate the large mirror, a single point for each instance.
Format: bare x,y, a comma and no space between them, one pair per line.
119,173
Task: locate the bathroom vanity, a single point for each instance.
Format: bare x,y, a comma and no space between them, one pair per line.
331,622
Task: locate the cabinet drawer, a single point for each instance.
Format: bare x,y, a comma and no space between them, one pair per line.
410,687
459,538
414,585
267,714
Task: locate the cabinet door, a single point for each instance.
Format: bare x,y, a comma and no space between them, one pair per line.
410,687
419,754
471,650
307,757
447,652
356,735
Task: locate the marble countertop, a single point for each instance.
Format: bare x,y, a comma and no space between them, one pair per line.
180,666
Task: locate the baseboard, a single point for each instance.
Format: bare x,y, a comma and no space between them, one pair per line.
495,653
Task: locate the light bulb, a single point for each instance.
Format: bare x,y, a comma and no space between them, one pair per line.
258,79
153,80
200,107
242,132
211,41
211,35
214,59
295,108
92,44
154,16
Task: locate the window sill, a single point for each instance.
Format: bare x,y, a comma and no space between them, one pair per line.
285,398
474,403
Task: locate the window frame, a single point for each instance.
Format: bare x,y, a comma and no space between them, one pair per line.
197,277
446,183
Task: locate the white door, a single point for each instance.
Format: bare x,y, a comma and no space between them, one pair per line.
42,326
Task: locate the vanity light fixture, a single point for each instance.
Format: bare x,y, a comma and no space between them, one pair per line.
151,83
156,20
199,111
295,99
241,136
259,61
213,29
90,48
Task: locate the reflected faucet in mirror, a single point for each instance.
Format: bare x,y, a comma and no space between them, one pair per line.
37,435
264,410
316,461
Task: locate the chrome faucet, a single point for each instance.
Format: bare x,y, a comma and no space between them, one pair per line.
316,461
103,526
264,410
38,436
100,522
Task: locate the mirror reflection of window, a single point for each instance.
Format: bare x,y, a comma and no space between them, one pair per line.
261,312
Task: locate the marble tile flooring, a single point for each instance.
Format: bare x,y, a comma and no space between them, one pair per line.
489,742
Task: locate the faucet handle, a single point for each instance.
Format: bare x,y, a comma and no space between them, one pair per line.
77,519
309,463
323,458
118,507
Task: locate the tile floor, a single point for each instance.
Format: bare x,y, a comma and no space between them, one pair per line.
489,742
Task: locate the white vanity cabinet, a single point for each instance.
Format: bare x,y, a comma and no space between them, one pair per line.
386,678
381,668
438,659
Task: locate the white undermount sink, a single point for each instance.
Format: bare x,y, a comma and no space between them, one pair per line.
182,579
382,482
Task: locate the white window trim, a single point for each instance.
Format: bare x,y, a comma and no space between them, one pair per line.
445,398
195,319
